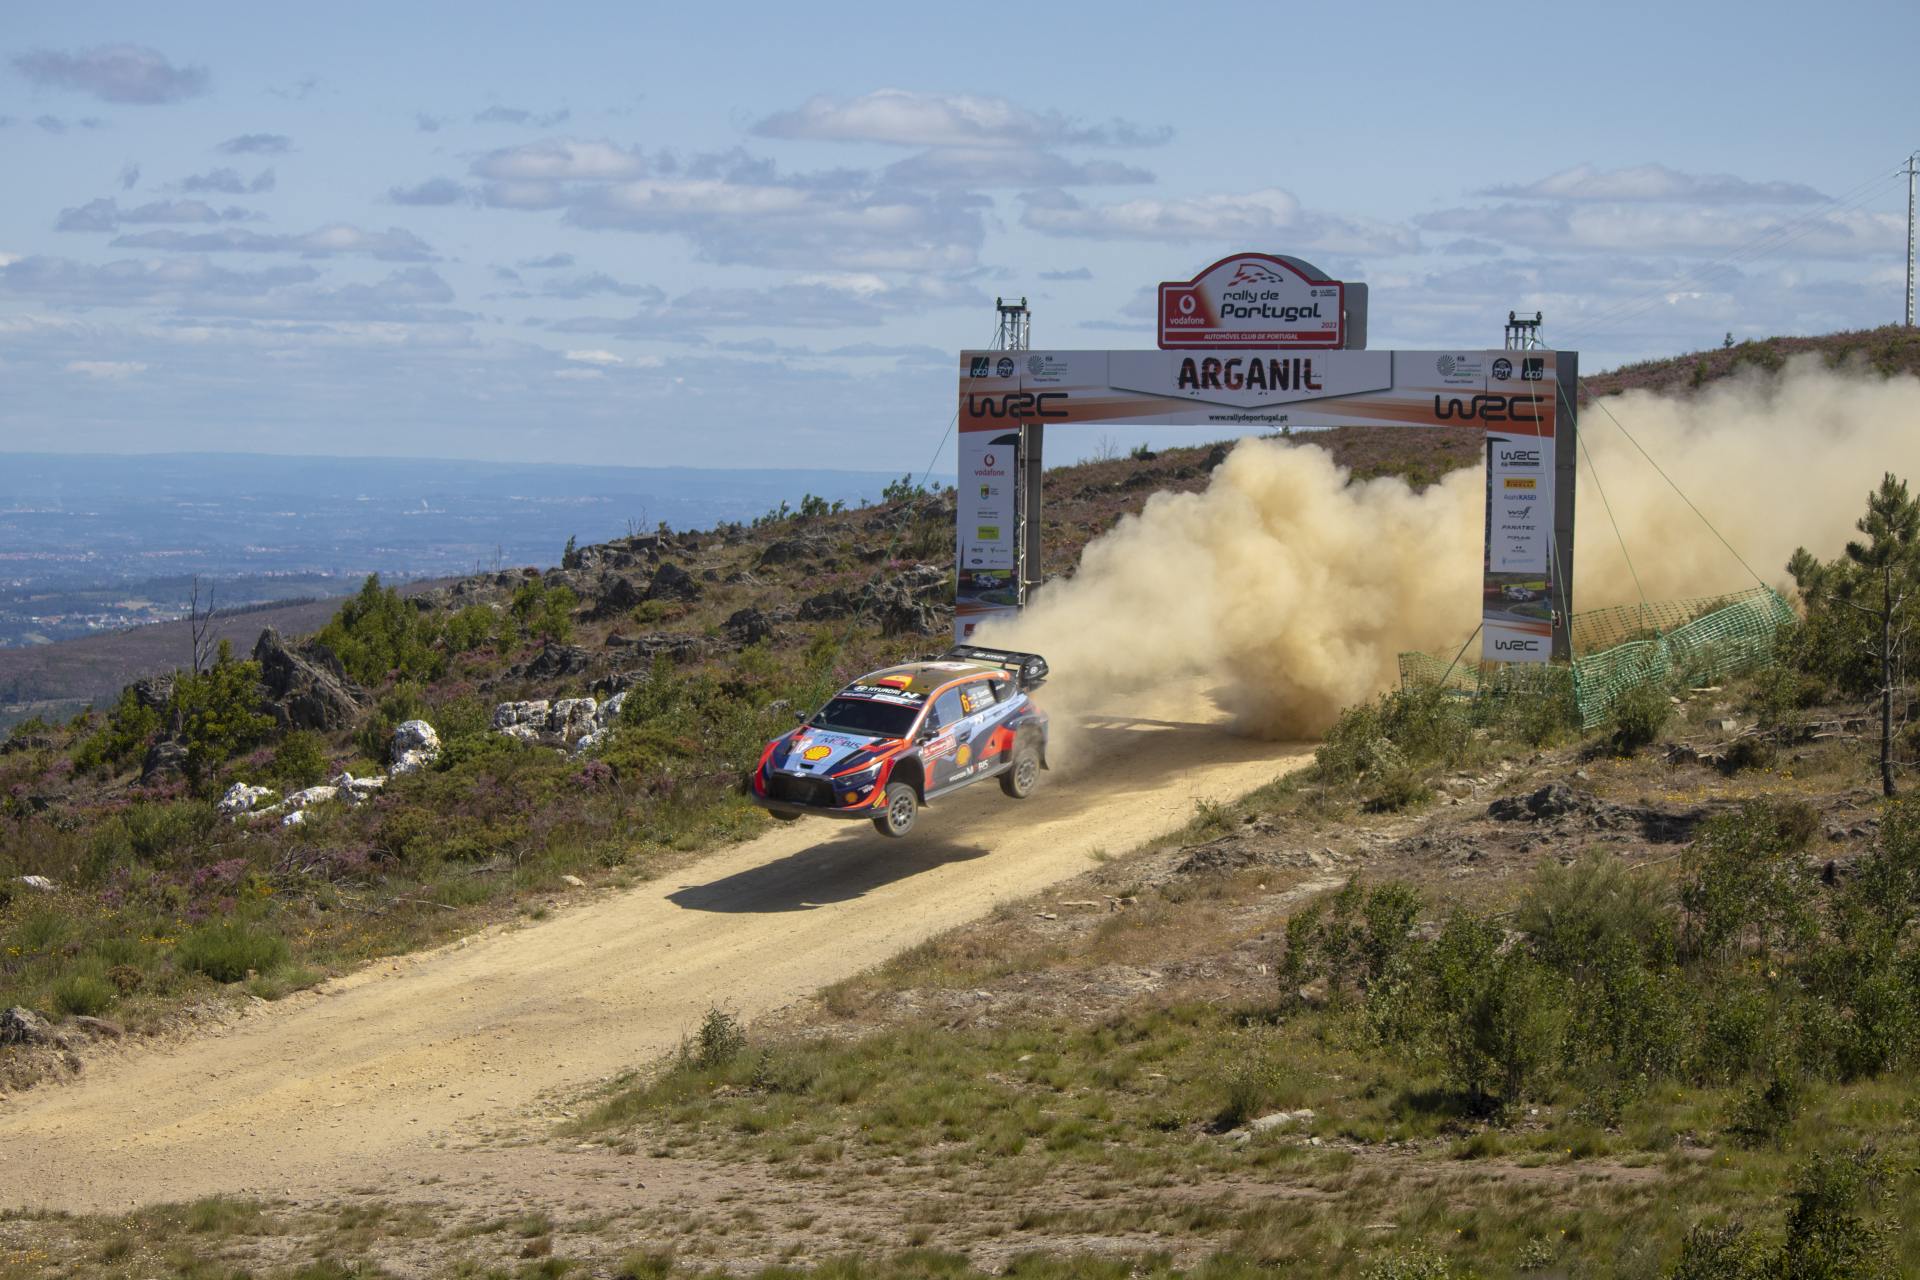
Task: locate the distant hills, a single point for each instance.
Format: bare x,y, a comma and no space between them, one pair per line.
71,520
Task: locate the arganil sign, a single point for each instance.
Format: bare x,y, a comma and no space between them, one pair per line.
1254,301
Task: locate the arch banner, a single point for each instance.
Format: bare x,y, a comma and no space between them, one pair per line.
1523,400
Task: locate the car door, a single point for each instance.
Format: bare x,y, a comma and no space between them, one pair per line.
945,728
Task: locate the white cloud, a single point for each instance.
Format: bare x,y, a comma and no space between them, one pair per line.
978,167
1655,182
1640,228
594,357
256,144
902,117
561,160
114,73
391,245
108,370
1247,218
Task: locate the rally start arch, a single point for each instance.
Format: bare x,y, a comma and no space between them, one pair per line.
1264,342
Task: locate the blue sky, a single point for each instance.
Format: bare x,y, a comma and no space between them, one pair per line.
755,234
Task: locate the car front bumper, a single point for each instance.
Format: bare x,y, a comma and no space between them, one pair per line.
800,795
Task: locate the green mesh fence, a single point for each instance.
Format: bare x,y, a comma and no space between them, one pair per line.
1621,648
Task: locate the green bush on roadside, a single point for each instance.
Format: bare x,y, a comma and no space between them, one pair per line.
229,952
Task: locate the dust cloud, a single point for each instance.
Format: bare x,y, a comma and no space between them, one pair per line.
1288,593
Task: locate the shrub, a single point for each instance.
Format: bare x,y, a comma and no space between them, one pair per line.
1637,718
472,627
1497,1012
130,726
1359,939
300,760
719,1040
219,713
1393,737
227,952
405,701
377,634
1727,1252
1745,880
544,612
83,992
1829,1235
1409,1264
1768,1109
1574,914
1402,788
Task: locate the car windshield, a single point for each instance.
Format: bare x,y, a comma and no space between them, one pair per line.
866,717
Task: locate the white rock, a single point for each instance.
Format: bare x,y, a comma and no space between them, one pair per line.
575,881
571,717
591,741
362,789
415,746
294,819
41,883
508,714
311,796
1275,1120
241,798
609,712
524,732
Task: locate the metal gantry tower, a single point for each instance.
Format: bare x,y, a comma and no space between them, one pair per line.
1522,335
1015,329
1014,332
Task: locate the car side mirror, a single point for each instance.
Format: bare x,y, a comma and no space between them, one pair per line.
801,717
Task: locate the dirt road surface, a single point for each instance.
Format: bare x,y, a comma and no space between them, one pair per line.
380,1076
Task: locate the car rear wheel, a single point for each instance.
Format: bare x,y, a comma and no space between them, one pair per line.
903,806
1024,773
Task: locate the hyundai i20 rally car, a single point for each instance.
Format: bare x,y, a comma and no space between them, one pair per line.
899,738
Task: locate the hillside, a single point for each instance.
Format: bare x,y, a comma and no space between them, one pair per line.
54,681
1461,991
1888,350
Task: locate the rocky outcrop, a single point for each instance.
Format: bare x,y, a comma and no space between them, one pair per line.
575,724
749,626
828,605
677,646
241,798
154,692
415,746
671,582
555,662
803,550
909,603
163,758
617,595
21,1025
306,688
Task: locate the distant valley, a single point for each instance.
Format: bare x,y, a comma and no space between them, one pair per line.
93,543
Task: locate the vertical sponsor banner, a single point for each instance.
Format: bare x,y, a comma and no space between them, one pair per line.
989,558
1518,591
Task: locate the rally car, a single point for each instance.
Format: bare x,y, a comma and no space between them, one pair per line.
894,740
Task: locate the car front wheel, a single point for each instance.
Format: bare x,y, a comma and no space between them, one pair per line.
903,806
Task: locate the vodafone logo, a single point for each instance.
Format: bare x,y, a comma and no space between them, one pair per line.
987,458
1187,304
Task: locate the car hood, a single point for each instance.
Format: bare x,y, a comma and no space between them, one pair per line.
820,753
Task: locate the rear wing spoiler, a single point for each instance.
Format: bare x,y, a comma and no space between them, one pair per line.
1029,670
